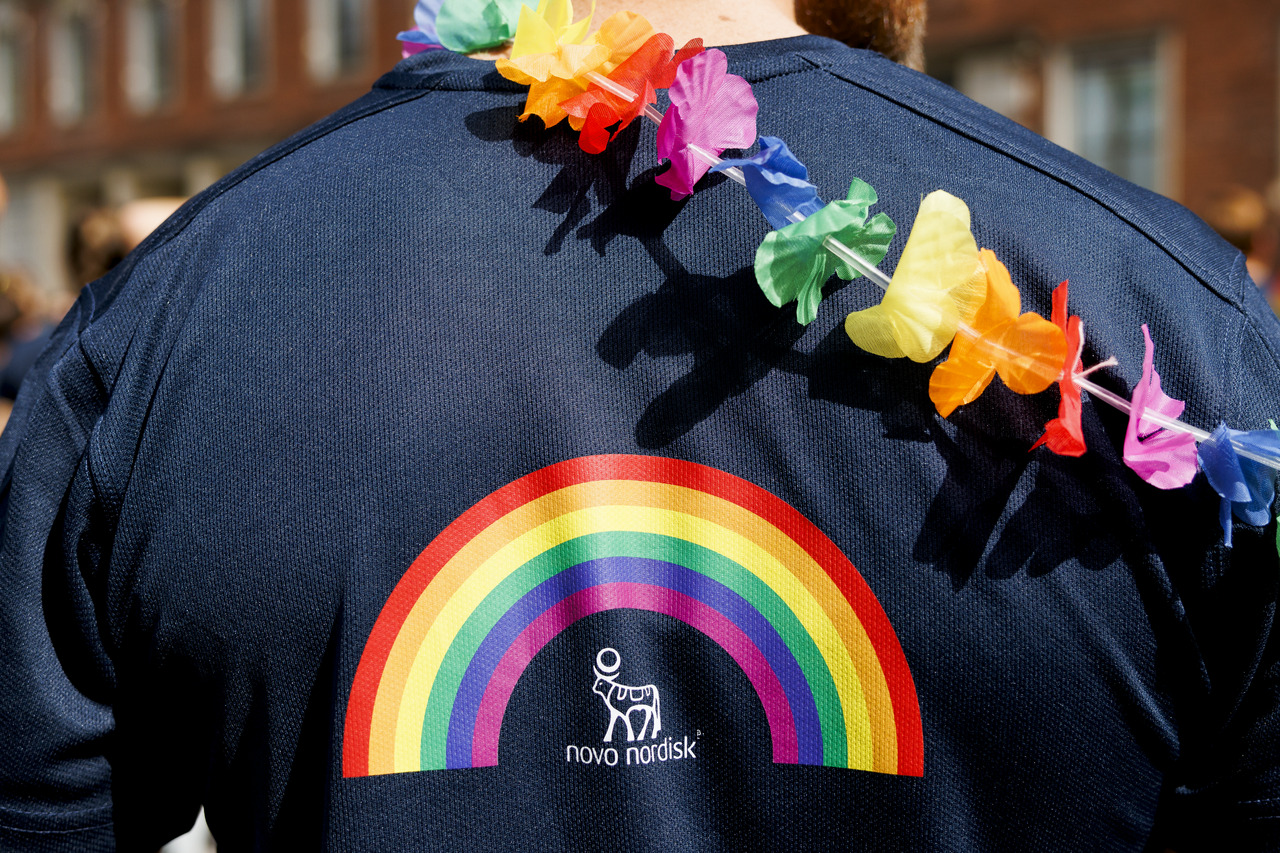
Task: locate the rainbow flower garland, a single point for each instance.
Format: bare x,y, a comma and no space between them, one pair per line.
944,292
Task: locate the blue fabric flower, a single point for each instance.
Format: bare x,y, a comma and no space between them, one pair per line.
777,181
425,36
1247,487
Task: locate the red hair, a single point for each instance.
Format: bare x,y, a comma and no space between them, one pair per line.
892,27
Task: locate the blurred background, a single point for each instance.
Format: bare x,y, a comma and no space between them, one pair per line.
1181,97
112,112
106,103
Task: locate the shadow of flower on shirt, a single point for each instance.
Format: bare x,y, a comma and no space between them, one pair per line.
584,182
1006,510
734,335
897,389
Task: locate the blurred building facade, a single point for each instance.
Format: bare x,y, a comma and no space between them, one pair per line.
106,101
1180,96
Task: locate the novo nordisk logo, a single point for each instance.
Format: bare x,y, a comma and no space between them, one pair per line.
623,701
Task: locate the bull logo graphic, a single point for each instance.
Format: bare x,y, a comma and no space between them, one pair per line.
623,701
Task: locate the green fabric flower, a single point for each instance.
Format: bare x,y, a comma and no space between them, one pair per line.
467,25
792,264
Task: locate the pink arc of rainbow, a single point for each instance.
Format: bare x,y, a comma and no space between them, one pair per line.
634,596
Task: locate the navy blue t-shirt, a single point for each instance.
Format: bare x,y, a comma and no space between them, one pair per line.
431,484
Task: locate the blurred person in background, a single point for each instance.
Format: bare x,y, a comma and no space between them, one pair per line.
95,245
271,445
101,237
138,218
25,332
1239,215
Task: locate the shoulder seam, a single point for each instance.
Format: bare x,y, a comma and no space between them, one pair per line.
942,115
107,495
272,155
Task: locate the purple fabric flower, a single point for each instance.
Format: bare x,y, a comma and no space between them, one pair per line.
413,42
1164,458
778,182
425,36
1247,488
711,109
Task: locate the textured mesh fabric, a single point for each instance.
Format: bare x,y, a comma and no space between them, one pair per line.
240,440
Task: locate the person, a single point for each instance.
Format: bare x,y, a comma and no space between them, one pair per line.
25,326
429,483
1238,214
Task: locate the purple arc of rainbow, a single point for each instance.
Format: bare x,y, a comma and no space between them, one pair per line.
789,698
634,596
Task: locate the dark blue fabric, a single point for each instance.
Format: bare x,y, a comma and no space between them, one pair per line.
238,442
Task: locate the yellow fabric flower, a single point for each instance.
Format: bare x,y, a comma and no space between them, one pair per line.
552,55
938,285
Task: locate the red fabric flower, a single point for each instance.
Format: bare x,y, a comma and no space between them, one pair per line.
1064,434
650,68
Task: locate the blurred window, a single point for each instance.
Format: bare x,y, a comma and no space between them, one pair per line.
1116,102
151,38
238,53
1117,108
997,78
13,64
73,53
337,37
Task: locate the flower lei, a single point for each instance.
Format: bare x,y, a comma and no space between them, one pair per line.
944,291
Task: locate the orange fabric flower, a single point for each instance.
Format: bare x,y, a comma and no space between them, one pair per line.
554,57
1025,349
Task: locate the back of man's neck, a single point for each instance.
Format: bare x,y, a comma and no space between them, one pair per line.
714,21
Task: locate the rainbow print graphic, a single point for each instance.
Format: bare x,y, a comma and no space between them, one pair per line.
631,532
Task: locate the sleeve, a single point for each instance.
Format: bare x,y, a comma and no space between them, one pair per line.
1224,791
55,698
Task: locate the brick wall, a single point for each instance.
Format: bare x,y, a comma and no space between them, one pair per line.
1226,130
288,101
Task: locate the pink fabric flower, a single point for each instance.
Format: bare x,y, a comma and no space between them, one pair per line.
711,109
1164,458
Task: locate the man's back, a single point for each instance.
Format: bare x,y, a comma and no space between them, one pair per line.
417,466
